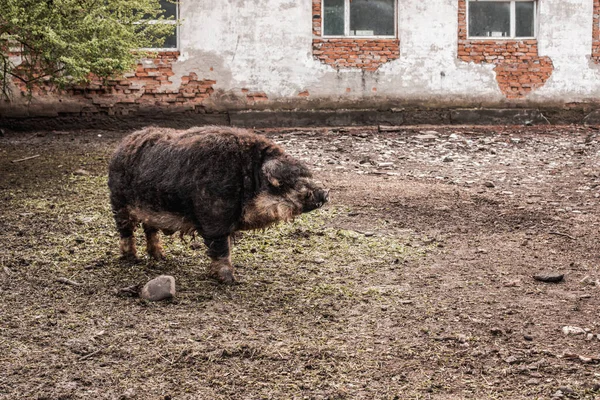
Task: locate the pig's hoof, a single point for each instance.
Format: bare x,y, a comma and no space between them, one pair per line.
226,276
223,274
129,257
157,255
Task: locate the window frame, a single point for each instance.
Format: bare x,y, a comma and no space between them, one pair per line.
513,21
346,34
167,22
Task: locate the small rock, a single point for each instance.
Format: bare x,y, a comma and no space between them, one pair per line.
2,133
566,390
128,394
511,360
160,288
319,261
489,184
462,338
448,159
529,338
496,331
551,277
589,336
81,172
558,395
369,234
573,330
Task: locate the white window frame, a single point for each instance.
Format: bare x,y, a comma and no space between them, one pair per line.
167,22
513,21
346,34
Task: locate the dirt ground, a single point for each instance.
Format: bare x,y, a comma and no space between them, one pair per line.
415,282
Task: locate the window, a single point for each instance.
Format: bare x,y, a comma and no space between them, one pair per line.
501,19
171,12
362,18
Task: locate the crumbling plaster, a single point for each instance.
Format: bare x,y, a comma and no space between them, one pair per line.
259,54
267,46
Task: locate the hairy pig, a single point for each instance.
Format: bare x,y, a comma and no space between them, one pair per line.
213,181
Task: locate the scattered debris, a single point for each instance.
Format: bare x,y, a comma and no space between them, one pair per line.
562,234
25,159
129,291
67,281
81,172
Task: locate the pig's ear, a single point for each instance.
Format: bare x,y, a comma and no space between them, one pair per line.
270,170
284,172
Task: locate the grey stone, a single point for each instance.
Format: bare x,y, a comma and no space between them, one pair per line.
551,277
160,288
489,184
512,360
573,330
81,172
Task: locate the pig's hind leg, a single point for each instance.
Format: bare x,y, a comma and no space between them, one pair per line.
220,254
126,224
153,246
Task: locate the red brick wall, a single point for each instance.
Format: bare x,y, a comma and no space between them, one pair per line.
519,68
147,86
366,54
596,32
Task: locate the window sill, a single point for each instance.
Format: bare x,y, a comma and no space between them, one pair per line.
359,37
500,38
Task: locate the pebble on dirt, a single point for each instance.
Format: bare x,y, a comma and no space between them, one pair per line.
160,288
81,172
573,330
552,277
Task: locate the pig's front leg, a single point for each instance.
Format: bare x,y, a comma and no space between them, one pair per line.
219,252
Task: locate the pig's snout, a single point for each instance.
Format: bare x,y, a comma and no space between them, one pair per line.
321,197
316,200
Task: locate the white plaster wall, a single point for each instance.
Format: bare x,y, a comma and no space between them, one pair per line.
565,35
266,46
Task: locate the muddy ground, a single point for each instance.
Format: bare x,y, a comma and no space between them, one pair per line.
415,282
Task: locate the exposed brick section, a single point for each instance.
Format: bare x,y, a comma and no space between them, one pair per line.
519,68
596,33
366,54
149,84
256,96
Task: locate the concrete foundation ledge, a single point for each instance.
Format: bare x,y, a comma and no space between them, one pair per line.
302,118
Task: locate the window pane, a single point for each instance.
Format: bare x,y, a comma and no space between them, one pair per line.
489,18
171,41
170,8
525,20
372,17
333,17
